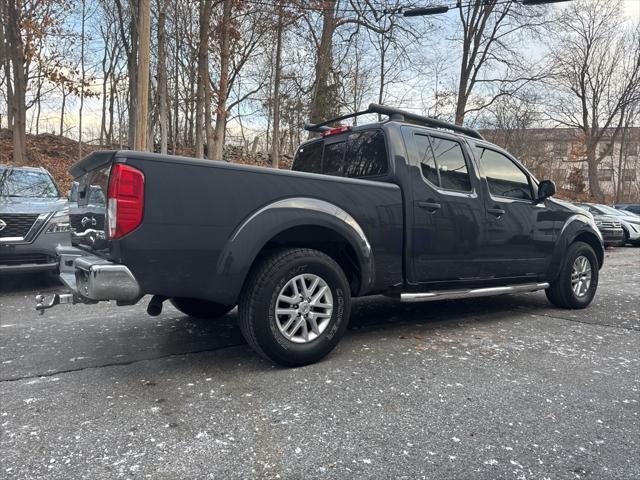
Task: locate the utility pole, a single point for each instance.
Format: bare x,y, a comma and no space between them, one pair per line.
144,47
275,143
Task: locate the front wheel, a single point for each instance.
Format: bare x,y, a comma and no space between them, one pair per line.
197,308
295,306
577,281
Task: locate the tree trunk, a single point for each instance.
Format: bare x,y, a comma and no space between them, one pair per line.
594,183
223,85
18,109
64,102
142,113
130,43
162,77
321,96
207,115
203,70
5,58
275,145
82,78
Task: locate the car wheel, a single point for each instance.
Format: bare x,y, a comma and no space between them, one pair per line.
626,237
200,308
295,306
576,284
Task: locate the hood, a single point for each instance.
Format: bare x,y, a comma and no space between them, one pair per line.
31,205
570,206
606,218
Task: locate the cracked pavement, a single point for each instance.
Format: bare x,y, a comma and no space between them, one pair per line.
503,387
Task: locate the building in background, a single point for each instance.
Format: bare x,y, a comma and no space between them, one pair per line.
558,154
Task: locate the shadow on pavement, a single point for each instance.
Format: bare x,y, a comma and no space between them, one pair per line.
28,282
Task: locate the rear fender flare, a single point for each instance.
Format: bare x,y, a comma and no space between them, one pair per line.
264,224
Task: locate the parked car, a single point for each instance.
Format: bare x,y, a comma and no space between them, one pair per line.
411,207
632,207
616,227
34,220
630,223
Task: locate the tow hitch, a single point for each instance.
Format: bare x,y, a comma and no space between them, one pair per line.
90,279
56,299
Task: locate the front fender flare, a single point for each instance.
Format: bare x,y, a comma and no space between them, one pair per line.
574,227
264,224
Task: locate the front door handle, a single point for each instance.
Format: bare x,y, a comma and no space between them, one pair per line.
429,206
496,212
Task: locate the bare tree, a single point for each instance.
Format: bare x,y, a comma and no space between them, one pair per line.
490,30
596,77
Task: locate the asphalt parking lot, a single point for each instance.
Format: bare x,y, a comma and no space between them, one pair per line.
504,387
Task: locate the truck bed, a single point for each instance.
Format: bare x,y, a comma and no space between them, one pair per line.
189,243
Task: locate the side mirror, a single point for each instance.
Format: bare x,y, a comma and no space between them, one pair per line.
546,189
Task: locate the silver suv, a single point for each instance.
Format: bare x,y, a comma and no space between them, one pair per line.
34,220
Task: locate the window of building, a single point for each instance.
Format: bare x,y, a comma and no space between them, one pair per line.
605,149
629,175
605,174
632,148
560,149
504,177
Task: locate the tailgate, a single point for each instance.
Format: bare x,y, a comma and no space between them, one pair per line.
88,209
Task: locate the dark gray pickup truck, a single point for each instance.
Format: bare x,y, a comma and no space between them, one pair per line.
409,207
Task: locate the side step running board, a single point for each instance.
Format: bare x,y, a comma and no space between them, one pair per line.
471,293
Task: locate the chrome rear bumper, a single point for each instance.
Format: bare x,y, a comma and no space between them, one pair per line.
92,279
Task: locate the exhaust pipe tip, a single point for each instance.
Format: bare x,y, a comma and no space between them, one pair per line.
155,305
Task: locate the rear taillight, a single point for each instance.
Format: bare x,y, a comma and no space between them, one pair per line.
125,200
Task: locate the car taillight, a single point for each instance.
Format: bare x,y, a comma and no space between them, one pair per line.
125,200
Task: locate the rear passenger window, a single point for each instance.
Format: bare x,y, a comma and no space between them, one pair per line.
442,163
504,177
309,158
363,154
426,159
366,154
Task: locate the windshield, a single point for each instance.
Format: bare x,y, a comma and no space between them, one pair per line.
610,210
26,183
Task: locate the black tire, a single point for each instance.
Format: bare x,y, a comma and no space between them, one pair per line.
200,308
560,293
626,237
257,315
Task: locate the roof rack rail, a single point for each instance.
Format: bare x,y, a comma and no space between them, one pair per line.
398,115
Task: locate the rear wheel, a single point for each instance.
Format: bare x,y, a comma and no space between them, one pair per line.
200,308
577,281
295,306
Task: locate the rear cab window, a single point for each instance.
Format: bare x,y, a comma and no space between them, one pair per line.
361,154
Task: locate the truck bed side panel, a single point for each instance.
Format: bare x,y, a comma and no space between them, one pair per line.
192,208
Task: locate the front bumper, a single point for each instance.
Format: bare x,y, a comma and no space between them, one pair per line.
96,279
37,256
612,236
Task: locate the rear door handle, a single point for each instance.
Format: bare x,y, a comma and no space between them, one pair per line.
429,206
497,212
